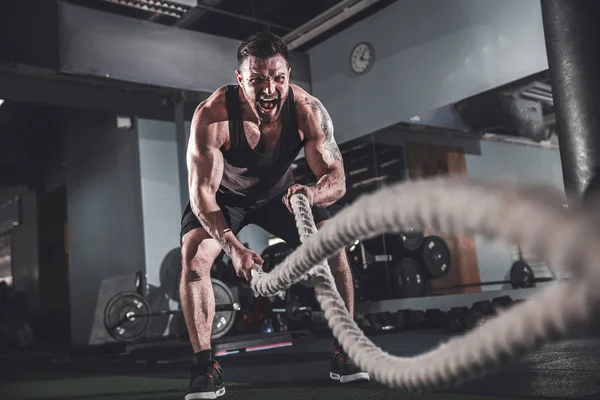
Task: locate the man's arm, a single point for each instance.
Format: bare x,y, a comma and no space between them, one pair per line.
322,153
205,170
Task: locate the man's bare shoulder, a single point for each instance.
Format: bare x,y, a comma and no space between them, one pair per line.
211,119
213,109
305,102
313,119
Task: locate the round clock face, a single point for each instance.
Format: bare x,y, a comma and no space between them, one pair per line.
361,58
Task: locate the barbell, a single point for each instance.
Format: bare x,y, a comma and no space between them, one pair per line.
127,315
294,311
521,277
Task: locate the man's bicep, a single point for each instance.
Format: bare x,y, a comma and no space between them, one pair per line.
321,149
207,168
318,157
205,160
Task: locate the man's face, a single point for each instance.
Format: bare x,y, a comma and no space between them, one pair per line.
265,83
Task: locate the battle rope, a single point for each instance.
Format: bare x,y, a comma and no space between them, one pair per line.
531,216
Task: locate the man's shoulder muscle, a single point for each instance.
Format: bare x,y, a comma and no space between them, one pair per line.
305,102
211,117
213,109
311,112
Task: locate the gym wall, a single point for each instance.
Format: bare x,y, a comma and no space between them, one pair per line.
160,208
485,159
427,152
104,206
467,46
526,164
179,58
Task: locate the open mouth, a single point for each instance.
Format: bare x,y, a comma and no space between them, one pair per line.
267,105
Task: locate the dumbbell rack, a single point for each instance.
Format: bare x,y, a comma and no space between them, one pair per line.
453,320
443,302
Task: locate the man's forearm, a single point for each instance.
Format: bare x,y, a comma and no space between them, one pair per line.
329,189
213,221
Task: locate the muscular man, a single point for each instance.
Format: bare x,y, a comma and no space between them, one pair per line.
243,141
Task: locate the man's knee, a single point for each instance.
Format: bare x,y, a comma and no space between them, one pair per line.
198,253
338,261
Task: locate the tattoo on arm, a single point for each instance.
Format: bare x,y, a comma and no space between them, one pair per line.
327,128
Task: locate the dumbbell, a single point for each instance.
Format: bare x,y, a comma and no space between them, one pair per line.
415,319
295,312
398,319
369,325
435,318
455,319
484,307
502,302
474,319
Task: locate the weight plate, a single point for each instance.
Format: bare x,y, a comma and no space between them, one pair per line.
224,272
411,239
521,275
437,258
169,274
408,279
126,317
158,301
224,320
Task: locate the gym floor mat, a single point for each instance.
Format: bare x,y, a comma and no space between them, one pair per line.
563,370
135,387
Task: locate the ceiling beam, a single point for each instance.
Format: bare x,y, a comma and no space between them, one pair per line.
183,22
40,86
326,21
194,14
266,8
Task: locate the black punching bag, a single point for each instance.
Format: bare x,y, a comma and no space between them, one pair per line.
572,31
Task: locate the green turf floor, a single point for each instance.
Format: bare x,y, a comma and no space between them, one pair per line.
136,387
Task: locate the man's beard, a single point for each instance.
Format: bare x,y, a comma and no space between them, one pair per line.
268,107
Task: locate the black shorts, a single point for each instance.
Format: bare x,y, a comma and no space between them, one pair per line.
273,217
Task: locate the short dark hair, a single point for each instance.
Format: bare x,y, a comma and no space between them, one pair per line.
262,45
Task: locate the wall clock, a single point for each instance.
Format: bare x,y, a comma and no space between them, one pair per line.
362,58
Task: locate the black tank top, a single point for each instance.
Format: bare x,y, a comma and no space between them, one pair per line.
251,178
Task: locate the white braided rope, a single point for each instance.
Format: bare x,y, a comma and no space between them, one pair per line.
530,215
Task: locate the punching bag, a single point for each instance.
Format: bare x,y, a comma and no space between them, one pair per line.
571,29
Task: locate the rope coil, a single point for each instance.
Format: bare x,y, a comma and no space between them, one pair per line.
530,215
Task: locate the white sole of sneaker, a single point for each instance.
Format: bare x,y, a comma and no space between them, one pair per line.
359,376
207,395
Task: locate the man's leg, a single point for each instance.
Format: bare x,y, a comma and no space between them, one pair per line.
197,299
199,252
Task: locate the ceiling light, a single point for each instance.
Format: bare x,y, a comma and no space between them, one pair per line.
1,101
